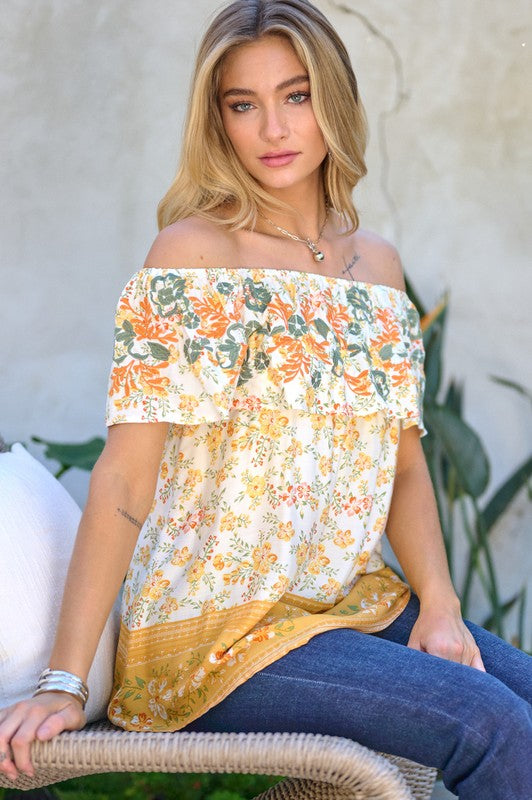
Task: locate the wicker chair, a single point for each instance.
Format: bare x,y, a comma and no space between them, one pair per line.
318,767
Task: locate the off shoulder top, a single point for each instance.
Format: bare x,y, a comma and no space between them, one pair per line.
286,393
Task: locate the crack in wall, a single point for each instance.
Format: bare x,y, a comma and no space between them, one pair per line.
401,95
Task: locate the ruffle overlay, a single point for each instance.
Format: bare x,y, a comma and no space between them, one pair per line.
193,344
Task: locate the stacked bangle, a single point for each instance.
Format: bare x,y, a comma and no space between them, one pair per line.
57,680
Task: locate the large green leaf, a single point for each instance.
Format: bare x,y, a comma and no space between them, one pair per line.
454,397
512,385
413,295
462,447
506,493
433,325
82,455
505,609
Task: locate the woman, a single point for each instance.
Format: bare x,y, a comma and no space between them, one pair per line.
270,345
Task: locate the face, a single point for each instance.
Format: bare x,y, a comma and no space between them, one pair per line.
267,114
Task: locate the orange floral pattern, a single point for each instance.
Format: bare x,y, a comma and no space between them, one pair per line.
286,392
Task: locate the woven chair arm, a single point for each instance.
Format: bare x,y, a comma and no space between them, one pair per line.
326,767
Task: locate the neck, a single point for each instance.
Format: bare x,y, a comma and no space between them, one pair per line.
307,217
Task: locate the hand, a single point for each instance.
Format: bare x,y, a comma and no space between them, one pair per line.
442,633
42,718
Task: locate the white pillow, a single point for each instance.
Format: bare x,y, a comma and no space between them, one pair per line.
38,525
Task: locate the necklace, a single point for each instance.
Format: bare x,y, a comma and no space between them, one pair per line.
312,246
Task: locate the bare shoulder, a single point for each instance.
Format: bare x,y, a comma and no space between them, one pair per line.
191,243
381,259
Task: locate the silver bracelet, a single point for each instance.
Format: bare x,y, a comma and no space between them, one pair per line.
58,680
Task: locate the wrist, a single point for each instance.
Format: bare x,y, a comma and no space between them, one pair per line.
56,680
443,596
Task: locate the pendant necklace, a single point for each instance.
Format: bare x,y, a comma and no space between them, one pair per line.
312,246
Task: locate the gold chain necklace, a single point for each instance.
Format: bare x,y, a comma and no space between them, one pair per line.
312,246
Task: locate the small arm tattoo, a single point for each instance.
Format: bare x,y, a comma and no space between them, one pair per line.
349,266
130,518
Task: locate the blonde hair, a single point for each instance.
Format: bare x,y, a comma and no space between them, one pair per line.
210,174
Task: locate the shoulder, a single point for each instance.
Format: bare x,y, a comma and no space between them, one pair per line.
191,243
381,258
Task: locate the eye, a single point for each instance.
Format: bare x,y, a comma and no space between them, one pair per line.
298,97
242,106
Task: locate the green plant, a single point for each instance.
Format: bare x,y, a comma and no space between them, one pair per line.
460,472
82,455
152,786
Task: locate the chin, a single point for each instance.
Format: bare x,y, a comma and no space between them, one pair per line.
286,181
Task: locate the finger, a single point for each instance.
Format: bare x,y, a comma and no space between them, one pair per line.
69,718
477,662
23,737
414,642
8,727
49,722
6,762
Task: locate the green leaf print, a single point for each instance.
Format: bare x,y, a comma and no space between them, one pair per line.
190,319
246,372
126,333
140,682
338,364
354,329
360,302
277,329
166,293
413,320
354,349
262,361
315,379
378,378
224,287
227,354
321,327
254,327
297,325
386,352
193,349
256,295
159,351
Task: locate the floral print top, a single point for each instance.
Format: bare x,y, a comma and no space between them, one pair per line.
286,393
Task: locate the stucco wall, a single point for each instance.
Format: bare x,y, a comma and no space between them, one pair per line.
92,100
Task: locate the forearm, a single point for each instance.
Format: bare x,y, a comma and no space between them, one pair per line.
414,532
116,509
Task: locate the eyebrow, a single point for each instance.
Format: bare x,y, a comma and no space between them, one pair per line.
278,88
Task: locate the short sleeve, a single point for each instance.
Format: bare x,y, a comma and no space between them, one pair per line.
165,367
413,341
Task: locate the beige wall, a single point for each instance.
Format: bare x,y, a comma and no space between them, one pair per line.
92,98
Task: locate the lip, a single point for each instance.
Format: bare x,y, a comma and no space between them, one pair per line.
278,159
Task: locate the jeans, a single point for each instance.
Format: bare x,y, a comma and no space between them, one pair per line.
475,727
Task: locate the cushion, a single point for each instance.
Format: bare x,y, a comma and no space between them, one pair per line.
38,525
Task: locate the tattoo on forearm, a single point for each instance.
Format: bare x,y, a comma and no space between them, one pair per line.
130,518
349,266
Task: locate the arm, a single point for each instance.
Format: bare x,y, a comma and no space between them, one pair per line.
414,533
121,492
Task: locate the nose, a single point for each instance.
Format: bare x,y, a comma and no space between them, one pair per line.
274,125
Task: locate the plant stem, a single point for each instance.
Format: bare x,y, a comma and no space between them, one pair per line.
474,564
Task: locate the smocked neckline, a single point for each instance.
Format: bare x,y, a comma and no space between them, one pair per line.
285,271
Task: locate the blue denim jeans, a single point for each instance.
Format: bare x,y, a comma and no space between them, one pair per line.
476,727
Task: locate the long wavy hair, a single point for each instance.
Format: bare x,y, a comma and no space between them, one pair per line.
210,175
